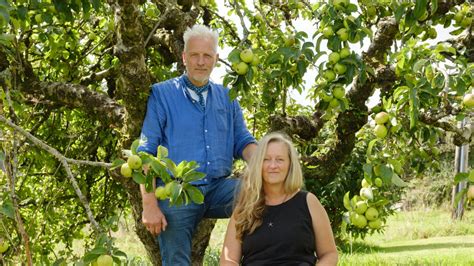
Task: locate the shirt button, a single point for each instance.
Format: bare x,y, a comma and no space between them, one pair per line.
205,130
208,163
207,147
205,179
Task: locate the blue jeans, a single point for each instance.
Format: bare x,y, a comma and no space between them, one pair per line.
175,242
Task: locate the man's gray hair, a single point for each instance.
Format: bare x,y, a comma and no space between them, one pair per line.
200,31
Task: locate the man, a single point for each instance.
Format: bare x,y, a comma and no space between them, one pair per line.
195,119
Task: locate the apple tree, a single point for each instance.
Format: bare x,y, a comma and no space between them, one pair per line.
383,80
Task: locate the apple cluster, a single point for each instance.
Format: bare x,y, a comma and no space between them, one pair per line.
247,57
380,130
134,162
363,209
464,16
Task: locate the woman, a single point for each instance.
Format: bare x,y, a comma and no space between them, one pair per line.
274,222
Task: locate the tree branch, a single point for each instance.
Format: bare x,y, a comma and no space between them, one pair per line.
65,162
97,105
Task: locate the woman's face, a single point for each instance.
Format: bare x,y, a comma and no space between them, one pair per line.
276,163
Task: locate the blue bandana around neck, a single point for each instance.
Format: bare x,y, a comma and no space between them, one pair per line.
198,90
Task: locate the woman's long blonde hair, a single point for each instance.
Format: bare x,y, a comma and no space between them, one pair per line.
251,201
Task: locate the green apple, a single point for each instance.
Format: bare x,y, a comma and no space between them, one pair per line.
345,52
366,193
459,16
468,100
334,103
380,131
326,97
125,170
329,75
134,162
4,245
359,220
105,260
338,92
246,55
334,57
290,40
328,32
161,193
375,224
371,11
381,118
343,34
360,207
340,4
378,182
466,21
371,213
340,68
255,61
241,68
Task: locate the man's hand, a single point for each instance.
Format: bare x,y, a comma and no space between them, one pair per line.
153,219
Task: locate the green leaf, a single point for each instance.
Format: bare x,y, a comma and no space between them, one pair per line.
161,153
414,106
7,209
347,202
180,168
193,176
370,147
399,13
138,177
397,181
234,56
368,169
2,156
434,6
98,251
419,64
120,253
459,196
420,8
134,146
460,177
318,44
90,257
117,163
175,191
195,194
386,173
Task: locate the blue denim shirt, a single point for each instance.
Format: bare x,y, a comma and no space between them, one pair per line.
212,137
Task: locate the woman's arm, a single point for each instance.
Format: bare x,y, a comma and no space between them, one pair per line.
324,238
231,251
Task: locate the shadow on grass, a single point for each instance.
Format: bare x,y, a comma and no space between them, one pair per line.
363,248
417,247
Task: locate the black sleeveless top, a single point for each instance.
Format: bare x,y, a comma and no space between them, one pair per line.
286,236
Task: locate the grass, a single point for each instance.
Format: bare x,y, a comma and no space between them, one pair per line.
421,237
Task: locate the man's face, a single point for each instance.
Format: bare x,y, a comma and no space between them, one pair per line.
199,59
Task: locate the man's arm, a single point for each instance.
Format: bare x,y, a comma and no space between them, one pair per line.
249,151
152,217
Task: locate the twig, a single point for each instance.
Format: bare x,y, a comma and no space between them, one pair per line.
65,162
236,6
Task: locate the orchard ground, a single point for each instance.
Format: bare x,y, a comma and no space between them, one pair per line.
416,237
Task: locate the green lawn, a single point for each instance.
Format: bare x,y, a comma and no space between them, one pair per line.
427,237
